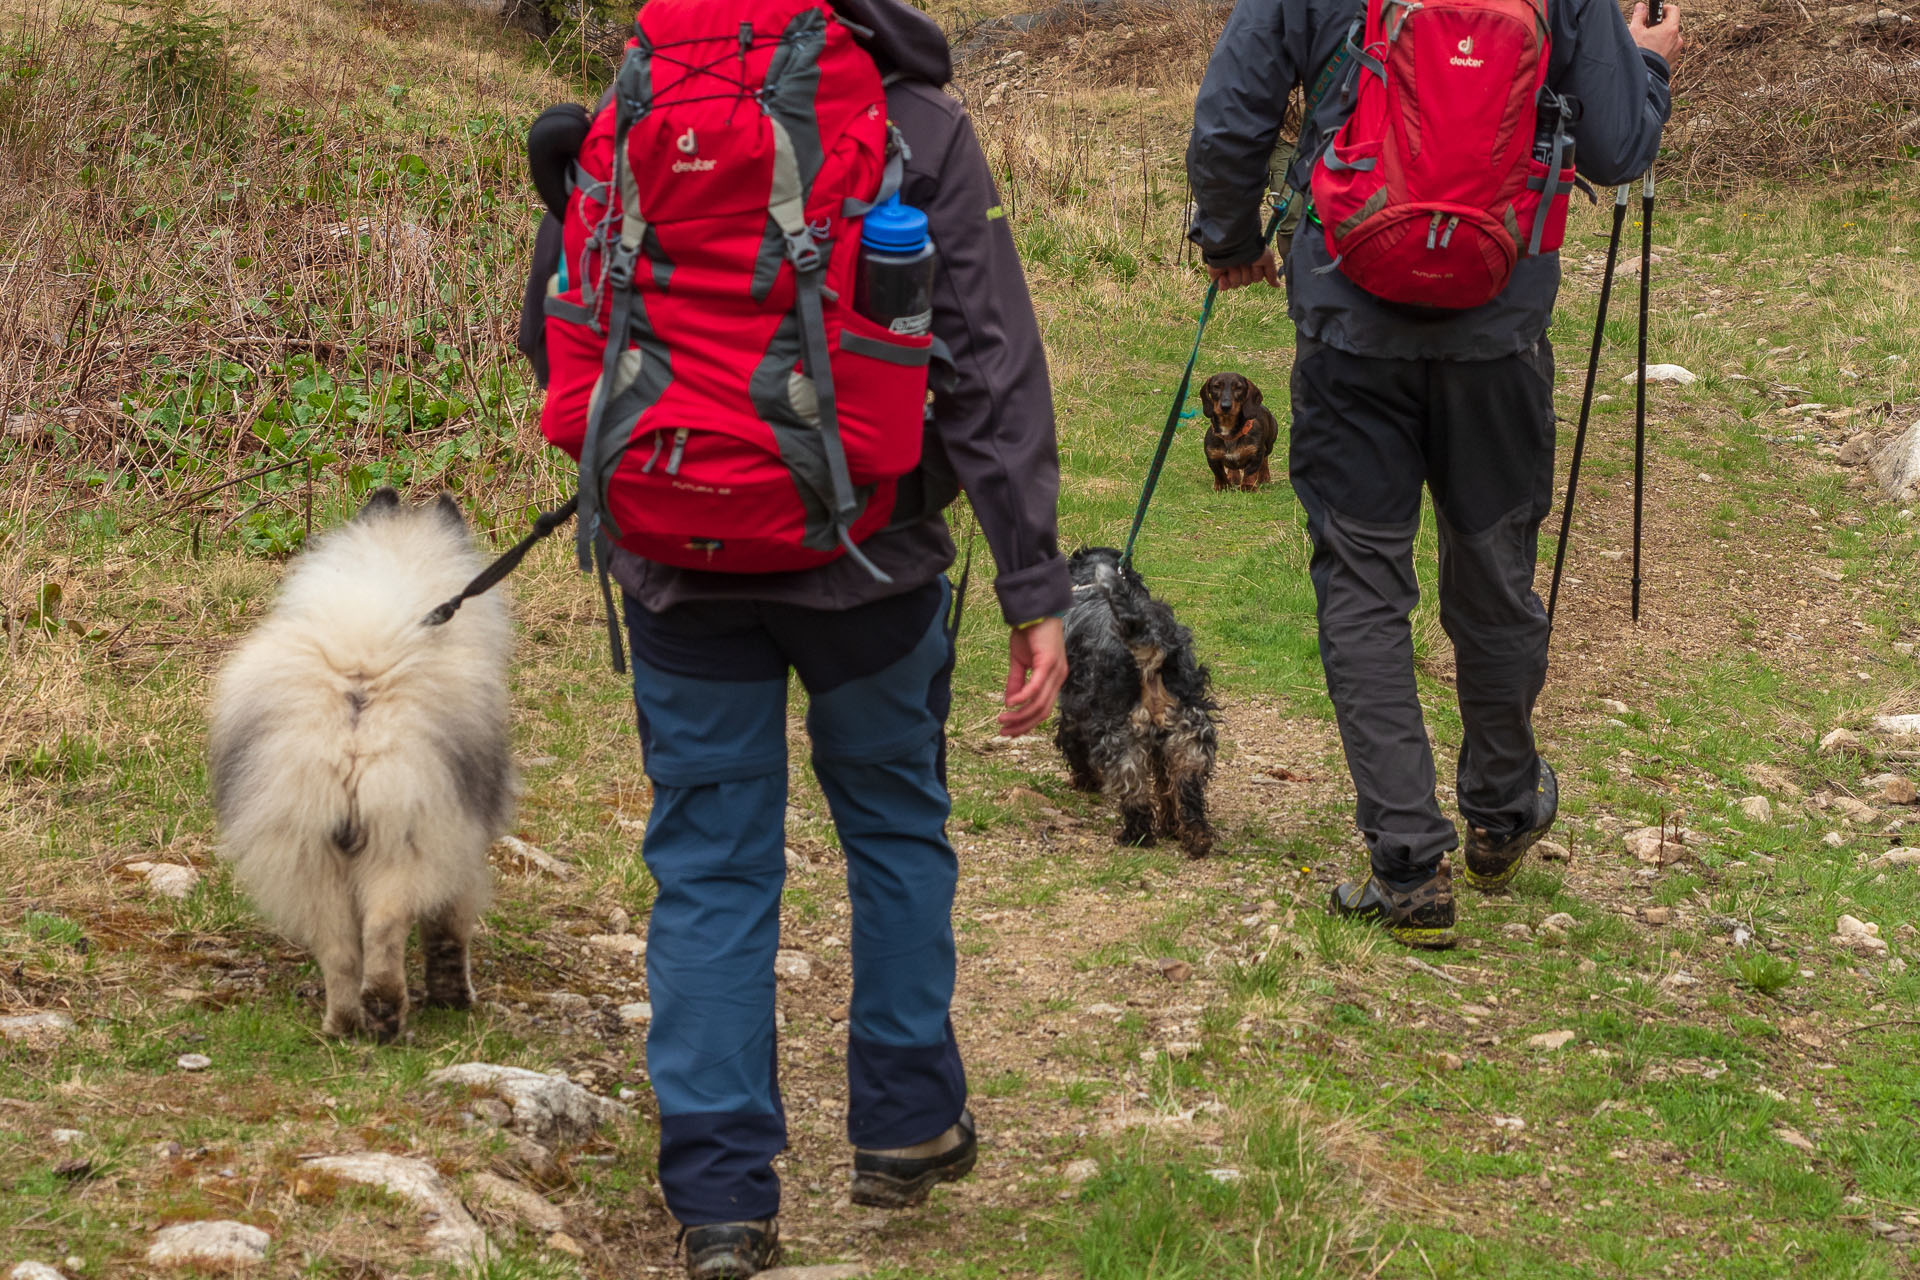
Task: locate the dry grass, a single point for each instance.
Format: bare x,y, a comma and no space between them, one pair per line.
1768,89
370,210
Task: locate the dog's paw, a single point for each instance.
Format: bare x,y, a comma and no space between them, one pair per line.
447,996
342,1023
382,1015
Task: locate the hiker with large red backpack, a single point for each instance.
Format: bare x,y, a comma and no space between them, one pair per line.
1437,165
779,235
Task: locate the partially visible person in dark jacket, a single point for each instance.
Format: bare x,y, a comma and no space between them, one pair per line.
712,654
1385,400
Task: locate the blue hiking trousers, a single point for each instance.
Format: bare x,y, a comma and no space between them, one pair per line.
710,683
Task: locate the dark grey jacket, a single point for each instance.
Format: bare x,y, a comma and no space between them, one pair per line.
1269,46
993,430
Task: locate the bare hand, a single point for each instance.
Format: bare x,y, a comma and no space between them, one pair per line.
1036,668
1261,268
1664,39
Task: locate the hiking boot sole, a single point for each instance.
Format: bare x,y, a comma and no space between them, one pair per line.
1426,939
876,1190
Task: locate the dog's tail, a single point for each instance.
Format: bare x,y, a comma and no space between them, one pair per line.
1128,603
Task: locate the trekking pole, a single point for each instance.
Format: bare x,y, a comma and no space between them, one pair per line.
1620,197
1640,391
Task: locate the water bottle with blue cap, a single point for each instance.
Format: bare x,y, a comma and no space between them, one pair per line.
894,286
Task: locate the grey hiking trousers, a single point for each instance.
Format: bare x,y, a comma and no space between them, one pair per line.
1367,433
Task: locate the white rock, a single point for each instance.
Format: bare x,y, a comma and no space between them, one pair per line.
831,1271
793,966
1794,1138
1515,1123
1855,810
544,1107
618,921
1838,740
1550,1040
626,944
1655,846
510,1200
1663,373
1081,1171
452,1235
1554,851
172,881
193,1062
1833,839
1559,922
569,1002
535,857
1757,809
638,1011
1225,1175
1897,467
217,1243
66,1137
1851,927
31,1270
1903,857
1897,724
1516,930
1860,935
1616,706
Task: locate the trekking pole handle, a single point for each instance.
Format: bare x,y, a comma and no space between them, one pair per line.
1655,12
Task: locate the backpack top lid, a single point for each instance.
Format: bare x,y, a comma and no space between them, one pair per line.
894,228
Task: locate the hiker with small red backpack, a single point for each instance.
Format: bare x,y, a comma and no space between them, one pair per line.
779,236
1436,161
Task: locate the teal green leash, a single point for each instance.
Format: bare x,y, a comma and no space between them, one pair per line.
1180,392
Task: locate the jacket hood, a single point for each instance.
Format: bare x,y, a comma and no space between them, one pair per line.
904,39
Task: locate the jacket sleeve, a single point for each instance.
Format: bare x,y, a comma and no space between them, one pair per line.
1236,120
996,421
1623,97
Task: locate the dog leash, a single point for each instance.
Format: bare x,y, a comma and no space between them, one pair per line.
1180,392
966,575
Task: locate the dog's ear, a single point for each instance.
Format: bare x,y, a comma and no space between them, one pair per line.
447,509
384,501
1253,394
1210,394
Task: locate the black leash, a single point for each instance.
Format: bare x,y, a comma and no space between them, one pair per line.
1640,391
494,574
966,576
1620,197
1180,393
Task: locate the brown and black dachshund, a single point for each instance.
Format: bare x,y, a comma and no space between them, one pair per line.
1241,432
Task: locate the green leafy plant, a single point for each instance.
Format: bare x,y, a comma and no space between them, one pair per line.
1765,973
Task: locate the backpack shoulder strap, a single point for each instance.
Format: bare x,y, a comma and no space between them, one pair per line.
1341,72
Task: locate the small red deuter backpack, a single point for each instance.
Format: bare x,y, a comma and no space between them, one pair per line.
728,407
1433,188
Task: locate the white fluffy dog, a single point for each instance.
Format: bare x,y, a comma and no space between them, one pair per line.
360,761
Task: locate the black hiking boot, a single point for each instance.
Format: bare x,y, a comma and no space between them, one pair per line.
1418,916
893,1180
1493,863
731,1250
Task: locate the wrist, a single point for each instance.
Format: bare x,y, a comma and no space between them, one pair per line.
1034,622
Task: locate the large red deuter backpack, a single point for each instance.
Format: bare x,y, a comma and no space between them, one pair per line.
1430,192
728,408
